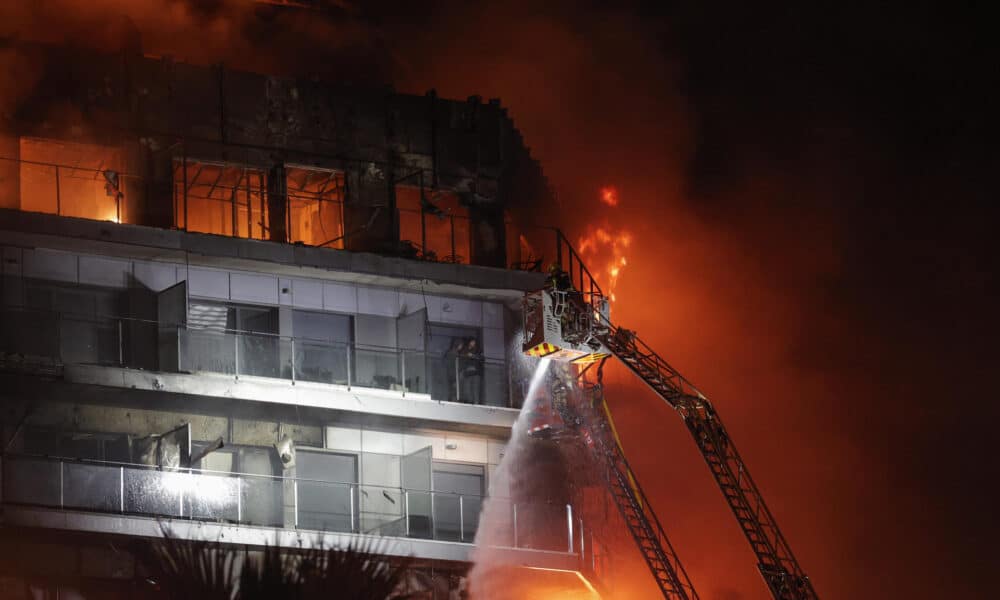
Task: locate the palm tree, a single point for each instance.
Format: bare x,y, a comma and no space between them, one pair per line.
206,570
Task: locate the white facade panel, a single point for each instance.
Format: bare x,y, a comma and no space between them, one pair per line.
307,293
462,312
465,448
246,287
434,304
155,276
410,302
107,272
458,311
493,346
378,301
285,291
208,283
382,442
343,438
49,264
340,298
412,442
493,315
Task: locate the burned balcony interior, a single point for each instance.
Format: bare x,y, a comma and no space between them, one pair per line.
154,142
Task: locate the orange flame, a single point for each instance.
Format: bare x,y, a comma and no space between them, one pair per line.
609,196
603,248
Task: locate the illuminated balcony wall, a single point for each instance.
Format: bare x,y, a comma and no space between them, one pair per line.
71,179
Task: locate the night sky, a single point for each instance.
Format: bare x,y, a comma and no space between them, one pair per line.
810,194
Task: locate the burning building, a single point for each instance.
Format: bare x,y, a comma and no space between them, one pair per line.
260,310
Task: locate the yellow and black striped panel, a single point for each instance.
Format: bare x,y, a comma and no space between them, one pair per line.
590,358
543,349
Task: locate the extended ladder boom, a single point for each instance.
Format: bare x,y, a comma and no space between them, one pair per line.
782,573
569,321
632,504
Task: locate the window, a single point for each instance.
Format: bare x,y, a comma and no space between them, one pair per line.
455,357
437,223
458,493
322,343
75,324
223,199
327,490
70,444
231,199
71,179
224,338
262,496
376,360
316,206
233,317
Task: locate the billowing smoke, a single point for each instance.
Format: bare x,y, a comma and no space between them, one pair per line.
807,245
240,33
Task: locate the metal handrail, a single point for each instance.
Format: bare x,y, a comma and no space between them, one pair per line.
354,512
100,317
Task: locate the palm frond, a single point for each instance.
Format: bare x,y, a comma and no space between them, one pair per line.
189,570
211,570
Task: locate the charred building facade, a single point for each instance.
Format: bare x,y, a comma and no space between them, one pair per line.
259,310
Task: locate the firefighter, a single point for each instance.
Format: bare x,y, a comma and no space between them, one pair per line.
558,279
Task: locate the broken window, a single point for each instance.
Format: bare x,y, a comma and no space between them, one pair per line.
315,206
435,222
223,199
72,179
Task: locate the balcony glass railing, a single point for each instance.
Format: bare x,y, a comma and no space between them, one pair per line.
457,379
282,502
65,338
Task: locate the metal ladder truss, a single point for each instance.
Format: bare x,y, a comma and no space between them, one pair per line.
633,505
781,571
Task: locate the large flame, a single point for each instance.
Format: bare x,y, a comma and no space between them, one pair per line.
603,247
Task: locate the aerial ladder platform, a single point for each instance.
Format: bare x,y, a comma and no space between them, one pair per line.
569,321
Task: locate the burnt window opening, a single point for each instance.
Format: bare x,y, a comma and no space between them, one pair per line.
435,222
71,179
315,206
233,200
222,199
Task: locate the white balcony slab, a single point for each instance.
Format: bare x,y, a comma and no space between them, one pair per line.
247,535
280,391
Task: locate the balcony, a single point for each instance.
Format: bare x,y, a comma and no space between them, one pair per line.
284,503
305,206
37,339
241,353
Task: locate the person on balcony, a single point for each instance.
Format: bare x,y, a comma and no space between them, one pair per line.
471,370
452,372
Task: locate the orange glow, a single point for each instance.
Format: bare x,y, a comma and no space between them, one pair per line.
603,248
510,582
67,178
609,196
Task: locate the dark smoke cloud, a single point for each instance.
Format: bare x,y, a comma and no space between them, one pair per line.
242,34
806,189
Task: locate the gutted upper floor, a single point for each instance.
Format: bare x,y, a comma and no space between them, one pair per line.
149,141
